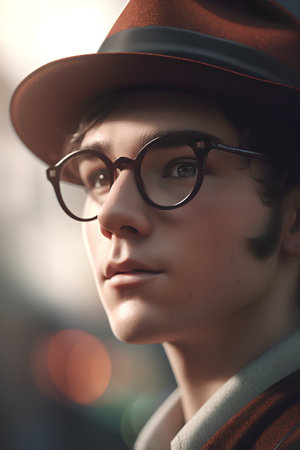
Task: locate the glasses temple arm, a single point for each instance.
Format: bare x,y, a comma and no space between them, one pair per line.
242,152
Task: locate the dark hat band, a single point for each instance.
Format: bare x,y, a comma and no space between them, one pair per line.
191,45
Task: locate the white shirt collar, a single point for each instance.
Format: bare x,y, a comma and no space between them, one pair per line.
167,424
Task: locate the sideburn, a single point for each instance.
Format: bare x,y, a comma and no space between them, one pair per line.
264,245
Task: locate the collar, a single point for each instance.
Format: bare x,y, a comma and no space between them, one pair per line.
167,424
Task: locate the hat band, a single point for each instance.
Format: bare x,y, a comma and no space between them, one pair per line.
171,41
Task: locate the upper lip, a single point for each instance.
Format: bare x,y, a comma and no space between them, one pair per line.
114,268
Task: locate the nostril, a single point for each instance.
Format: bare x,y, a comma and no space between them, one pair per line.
105,232
132,230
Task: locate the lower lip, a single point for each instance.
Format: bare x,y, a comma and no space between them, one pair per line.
131,278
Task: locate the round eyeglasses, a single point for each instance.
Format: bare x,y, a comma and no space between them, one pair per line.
168,173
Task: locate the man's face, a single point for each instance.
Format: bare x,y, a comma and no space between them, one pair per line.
166,276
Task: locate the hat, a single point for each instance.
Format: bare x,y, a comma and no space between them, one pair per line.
242,49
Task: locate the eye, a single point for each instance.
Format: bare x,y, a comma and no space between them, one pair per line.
181,168
94,174
98,179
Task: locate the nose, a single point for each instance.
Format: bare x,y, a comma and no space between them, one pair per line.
124,213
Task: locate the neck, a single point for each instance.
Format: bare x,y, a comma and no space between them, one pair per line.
203,363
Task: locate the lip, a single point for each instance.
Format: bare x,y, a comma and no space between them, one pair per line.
129,272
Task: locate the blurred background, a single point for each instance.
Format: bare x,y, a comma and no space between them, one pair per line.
65,381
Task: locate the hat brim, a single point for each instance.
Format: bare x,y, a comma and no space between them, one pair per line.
48,104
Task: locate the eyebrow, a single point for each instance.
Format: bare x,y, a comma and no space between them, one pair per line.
104,146
97,146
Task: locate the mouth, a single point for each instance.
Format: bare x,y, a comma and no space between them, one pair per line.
129,272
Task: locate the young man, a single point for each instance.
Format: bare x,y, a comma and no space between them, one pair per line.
181,137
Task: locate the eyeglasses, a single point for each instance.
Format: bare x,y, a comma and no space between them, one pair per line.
168,173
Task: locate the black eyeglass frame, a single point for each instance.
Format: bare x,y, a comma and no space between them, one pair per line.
190,137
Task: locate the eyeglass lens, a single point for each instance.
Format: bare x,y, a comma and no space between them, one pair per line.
168,173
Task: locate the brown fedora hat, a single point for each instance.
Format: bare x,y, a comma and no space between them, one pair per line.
242,49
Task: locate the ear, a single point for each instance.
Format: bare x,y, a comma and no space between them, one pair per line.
291,231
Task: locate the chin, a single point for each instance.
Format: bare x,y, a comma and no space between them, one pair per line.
134,326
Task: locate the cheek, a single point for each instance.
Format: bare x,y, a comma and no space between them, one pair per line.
214,261
91,233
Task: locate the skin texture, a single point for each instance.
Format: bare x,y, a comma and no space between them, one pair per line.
199,290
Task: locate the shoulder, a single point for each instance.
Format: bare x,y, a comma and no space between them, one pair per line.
269,421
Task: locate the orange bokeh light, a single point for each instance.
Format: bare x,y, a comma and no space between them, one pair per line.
78,365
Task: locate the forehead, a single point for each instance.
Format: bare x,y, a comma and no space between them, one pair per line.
144,112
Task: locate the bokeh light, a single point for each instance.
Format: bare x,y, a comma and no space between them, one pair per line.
40,368
136,414
73,363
